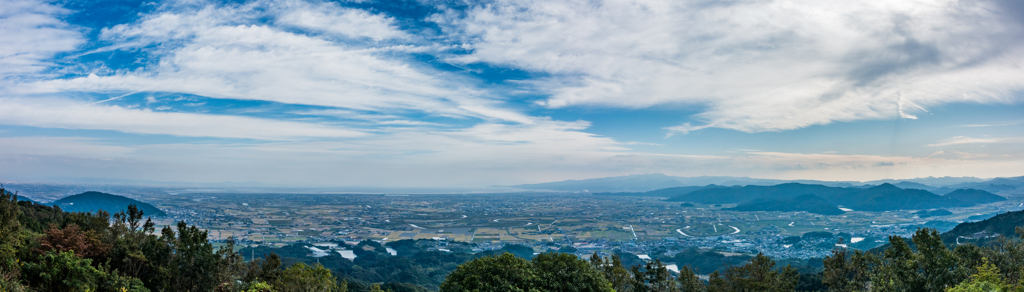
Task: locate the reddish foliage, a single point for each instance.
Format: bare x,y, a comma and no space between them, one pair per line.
84,244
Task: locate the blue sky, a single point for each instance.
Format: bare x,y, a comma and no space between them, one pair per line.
442,94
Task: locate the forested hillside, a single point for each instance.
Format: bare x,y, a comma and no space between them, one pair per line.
96,201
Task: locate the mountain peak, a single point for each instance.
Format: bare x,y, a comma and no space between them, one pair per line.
94,201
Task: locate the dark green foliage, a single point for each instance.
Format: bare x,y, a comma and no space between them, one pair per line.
613,270
565,272
62,271
10,230
37,218
653,277
552,272
115,282
303,278
95,201
847,272
810,283
689,282
415,264
759,275
808,203
504,272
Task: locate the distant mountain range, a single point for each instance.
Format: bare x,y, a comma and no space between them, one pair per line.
640,183
879,198
809,203
648,182
95,201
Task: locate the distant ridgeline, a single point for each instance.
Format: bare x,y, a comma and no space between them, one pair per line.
1004,224
821,199
95,201
20,198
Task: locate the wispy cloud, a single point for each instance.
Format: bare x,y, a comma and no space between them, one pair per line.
993,125
962,140
32,34
69,114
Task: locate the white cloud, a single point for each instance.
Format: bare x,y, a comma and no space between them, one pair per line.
69,114
961,140
222,52
348,22
32,34
755,65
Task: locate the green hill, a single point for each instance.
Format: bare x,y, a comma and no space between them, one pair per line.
975,196
95,201
883,197
1003,224
809,203
933,213
889,197
737,195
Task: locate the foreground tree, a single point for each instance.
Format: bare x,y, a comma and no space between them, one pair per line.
504,272
303,278
757,275
614,272
63,271
10,228
987,279
844,272
689,282
557,272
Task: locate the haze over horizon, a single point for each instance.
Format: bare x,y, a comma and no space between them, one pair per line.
448,94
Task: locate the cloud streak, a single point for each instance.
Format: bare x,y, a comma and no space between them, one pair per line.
964,140
68,114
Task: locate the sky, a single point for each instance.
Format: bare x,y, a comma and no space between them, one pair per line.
478,93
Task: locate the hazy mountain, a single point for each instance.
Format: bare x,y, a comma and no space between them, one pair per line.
975,196
879,198
1010,185
809,203
667,192
914,185
95,201
931,181
657,181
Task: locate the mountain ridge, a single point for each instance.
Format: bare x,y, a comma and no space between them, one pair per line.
94,201
656,181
